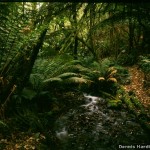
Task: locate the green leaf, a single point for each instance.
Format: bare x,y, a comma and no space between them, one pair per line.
28,94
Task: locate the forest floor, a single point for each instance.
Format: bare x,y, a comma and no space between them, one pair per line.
29,141
137,85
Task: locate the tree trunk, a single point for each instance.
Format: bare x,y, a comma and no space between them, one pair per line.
33,57
92,13
75,51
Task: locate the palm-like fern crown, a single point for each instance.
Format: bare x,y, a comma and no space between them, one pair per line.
59,71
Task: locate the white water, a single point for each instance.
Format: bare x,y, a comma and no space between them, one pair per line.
91,105
62,135
91,102
92,119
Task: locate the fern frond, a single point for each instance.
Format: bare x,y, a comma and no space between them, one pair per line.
111,69
65,67
35,80
81,69
112,73
67,75
101,78
112,80
93,75
85,76
75,62
28,94
2,124
77,80
50,80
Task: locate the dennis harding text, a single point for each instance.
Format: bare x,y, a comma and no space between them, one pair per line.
134,146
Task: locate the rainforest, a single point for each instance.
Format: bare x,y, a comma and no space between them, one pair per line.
74,76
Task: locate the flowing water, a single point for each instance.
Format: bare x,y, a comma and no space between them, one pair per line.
93,126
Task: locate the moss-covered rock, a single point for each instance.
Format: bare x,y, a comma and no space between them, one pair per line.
114,103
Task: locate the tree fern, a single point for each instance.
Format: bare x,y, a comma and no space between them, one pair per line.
67,75
78,80
55,79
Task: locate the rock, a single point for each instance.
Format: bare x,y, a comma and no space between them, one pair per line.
62,135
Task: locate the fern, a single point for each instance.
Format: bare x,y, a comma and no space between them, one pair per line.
144,63
62,74
28,120
2,124
55,79
105,64
67,75
35,80
72,66
28,94
77,80
80,68
112,80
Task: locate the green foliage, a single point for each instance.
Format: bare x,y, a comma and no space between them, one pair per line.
51,83
46,67
28,94
126,59
28,120
114,103
144,63
79,74
4,128
2,124
32,103
134,106
105,64
55,80
77,80
120,73
128,102
61,71
24,99
35,80
67,75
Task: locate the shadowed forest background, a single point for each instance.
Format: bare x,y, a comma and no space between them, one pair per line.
74,75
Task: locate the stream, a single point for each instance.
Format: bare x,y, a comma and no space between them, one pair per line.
94,126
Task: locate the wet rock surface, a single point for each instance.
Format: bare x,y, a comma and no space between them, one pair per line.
94,126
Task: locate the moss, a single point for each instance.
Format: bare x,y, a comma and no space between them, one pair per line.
136,102
114,103
138,110
127,101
